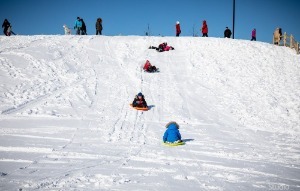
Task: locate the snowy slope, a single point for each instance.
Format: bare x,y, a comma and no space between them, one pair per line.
66,124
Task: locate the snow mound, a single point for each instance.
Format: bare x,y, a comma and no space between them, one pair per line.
65,119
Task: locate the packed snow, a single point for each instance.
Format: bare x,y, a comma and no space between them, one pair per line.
66,123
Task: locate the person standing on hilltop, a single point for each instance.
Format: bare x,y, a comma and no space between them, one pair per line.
178,30
6,26
277,36
99,26
78,26
227,33
253,34
83,28
204,29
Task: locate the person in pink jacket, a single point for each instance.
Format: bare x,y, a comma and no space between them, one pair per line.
162,47
253,35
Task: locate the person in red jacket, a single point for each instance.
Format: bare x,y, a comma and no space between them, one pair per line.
148,67
178,30
204,29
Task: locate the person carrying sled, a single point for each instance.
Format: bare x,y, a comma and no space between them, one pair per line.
148,67
78,26
99,26
6,26
172,134
204,29
139,101
178,30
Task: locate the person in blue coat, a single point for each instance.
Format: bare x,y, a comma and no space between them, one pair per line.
172,133
78,26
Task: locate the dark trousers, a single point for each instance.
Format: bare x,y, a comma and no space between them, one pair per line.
253,38
151,69
159,49
204,35
5,31
99,32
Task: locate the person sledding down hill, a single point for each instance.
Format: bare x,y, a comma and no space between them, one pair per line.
172,134
139,101
162,47
149,68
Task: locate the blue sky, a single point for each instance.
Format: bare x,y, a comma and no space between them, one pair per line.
131,17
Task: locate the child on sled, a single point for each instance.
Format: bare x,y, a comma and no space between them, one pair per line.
149,68
172,134
162,47
139,101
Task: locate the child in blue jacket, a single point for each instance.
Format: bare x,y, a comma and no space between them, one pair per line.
172,133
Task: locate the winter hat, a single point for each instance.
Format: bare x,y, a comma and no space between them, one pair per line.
172,122
140,94
177,22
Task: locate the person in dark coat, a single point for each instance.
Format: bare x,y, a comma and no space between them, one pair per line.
139,101
83,28
172,134
6,26
204,29
178,30
227,33
280,33
99,26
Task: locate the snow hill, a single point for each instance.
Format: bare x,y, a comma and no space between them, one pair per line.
66,124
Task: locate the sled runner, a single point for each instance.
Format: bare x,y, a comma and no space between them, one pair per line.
140,108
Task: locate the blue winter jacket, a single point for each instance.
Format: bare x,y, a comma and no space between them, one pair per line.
172,134
78,24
